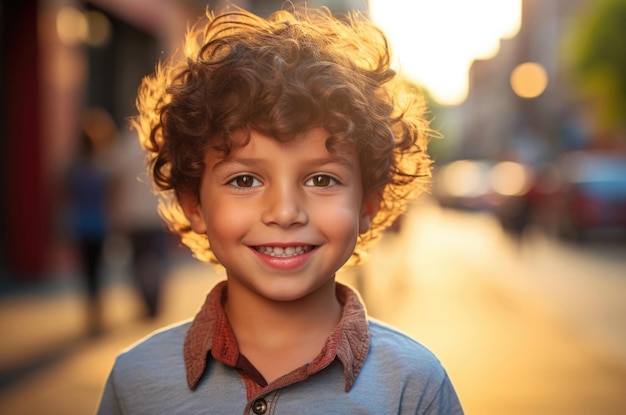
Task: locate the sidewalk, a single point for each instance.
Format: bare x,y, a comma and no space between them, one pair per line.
50,364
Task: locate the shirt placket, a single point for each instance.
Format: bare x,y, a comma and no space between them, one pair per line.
263,405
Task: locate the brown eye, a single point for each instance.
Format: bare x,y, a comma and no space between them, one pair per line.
321,180
245,180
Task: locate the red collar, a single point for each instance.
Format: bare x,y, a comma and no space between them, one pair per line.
210,331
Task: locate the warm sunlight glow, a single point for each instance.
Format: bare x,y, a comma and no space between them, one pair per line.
435,42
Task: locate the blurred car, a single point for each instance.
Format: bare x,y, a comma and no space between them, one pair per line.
497,187
591,199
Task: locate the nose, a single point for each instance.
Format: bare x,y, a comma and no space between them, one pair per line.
284,205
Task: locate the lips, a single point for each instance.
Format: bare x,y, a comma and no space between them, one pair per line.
284,252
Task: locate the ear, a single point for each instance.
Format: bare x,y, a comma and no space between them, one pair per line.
369,209
193,212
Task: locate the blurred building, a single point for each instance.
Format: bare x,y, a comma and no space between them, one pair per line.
500,122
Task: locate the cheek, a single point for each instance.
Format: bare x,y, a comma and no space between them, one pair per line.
339,220
225,223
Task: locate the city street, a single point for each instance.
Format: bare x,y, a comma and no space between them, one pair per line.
530,328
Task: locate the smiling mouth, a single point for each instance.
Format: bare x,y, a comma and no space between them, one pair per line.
284,252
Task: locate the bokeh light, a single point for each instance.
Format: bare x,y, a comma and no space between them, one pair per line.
510,179
99,28
71,25
75,27
529,80
464,178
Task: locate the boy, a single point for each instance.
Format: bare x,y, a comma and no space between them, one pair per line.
281,148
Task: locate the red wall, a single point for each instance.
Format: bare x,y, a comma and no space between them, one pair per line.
25,212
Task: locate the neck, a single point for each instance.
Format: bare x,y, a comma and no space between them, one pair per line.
250,315
280,336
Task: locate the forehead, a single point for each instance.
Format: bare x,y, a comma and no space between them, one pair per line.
315,141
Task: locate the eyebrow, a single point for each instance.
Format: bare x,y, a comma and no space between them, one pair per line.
251,161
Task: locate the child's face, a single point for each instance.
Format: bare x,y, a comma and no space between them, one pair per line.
282,218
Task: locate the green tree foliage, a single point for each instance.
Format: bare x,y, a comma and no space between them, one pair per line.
595,47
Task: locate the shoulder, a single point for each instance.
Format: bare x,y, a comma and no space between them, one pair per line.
161,339
396,345
414,378
149,376
162,348
402,360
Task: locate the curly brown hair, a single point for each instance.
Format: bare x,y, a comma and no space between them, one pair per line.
281,76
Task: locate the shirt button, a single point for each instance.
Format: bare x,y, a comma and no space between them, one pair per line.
259,406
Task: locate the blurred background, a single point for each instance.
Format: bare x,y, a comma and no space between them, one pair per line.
513,269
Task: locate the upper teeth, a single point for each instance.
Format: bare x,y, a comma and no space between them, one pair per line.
279,251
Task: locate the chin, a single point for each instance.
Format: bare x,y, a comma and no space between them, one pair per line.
285,293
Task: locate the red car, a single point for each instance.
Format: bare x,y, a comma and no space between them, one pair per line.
592,195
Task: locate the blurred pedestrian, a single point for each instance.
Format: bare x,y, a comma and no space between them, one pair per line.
136,216
88,193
